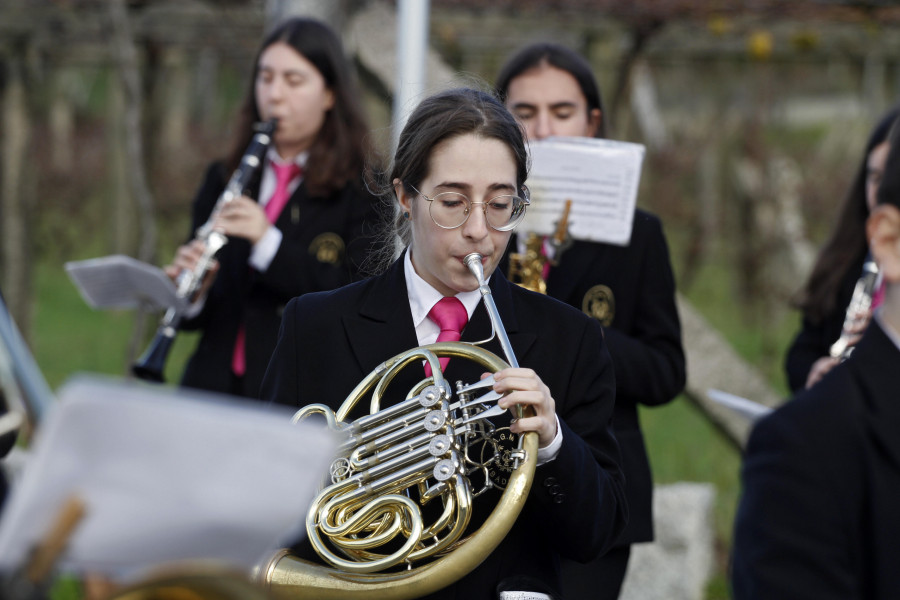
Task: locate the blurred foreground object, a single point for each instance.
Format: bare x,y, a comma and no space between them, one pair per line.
164,477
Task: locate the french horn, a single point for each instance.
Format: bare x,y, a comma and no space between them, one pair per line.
367,523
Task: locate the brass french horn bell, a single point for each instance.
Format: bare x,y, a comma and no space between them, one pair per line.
367,524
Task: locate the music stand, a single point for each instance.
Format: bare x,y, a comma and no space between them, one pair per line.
122,282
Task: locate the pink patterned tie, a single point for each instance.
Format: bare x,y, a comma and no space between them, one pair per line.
284,174
450,315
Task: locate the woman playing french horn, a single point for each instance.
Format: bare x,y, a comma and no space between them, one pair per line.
458,179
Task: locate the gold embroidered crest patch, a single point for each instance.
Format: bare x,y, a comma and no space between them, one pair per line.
600,303
327,248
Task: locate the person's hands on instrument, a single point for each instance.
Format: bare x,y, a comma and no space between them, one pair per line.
186,259
527,389
820,368
243,218
854,327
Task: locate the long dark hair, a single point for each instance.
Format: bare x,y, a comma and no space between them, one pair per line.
561,57
847,245
440,117
340,149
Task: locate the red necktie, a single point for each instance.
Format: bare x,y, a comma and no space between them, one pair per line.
545,270
283,176
878,298
450,315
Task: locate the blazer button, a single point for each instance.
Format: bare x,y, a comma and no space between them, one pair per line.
559,498
555,489
550,481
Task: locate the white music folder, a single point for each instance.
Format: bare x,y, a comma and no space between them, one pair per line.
122,282
165,476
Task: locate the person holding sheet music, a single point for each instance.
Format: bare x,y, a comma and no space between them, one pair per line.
818,515
629,289
826,295
317,241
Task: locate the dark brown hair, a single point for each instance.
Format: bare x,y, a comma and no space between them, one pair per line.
847,244
340,149
438,118
447,115
889,190
561,57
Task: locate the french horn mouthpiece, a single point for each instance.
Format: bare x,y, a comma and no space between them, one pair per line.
473,262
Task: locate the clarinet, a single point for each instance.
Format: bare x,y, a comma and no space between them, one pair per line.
150,366
860,302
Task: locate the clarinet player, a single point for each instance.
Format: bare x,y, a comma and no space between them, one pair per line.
306,226
825,299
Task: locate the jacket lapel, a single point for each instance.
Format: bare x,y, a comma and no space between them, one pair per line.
384,315
290,216
574,262
479,328
876,364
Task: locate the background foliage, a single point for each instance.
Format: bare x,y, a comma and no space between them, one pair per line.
754,122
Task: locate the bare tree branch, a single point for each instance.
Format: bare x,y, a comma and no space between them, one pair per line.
129,73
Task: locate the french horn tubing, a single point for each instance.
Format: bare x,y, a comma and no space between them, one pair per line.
367,523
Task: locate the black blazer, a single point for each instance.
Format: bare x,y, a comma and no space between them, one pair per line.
821,478
311,228
814,339
631,289
330,341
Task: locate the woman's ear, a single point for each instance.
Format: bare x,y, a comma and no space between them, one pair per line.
883,231
595,120
403,198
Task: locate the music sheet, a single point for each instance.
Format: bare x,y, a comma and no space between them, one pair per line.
601,177
122,282
165,476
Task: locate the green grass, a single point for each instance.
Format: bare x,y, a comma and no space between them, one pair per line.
684,446
70,337
682,443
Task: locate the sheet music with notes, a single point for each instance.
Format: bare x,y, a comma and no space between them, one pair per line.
601,177
165,475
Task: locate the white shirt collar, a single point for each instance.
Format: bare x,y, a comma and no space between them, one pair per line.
273,156
422,297
267,183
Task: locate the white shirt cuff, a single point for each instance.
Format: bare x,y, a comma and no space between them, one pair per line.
263,252
549,453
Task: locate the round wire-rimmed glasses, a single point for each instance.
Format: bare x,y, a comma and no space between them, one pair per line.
450,210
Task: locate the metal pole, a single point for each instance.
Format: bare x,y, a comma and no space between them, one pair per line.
19,363
412,49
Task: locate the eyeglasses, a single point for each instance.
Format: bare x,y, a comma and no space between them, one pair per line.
450,210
